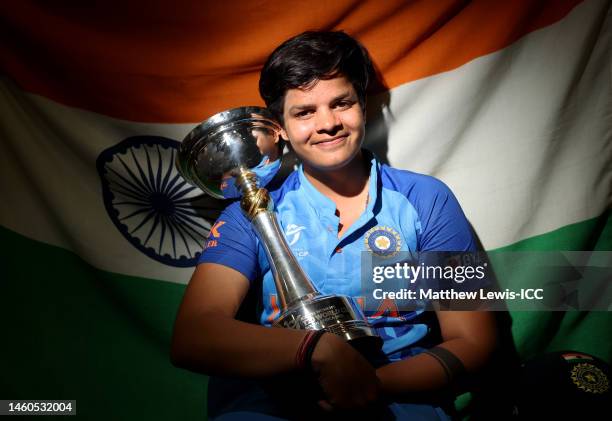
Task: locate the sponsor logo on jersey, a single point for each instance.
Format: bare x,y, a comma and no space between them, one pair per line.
214,230
214,233
300,253
293,233
383,241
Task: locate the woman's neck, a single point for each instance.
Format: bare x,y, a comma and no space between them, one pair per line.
348,181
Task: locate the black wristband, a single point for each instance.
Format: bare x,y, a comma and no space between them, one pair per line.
310,349
453,367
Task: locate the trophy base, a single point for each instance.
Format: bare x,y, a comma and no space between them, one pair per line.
336,314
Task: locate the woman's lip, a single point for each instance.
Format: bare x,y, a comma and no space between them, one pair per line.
331,142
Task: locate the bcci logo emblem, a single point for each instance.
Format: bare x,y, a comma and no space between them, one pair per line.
383,241
590,378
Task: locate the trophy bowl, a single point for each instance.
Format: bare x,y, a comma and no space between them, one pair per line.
212,154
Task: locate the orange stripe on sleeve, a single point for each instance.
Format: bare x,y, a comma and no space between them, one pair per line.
360,302
275,309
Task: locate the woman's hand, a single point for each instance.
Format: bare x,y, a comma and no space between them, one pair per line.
346,377
470,335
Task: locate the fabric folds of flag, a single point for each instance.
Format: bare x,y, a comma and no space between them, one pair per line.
509,104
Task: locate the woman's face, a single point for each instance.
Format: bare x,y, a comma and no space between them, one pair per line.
324,123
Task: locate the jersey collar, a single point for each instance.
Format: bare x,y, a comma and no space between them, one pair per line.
326,208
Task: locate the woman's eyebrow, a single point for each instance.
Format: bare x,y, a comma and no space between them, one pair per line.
301,107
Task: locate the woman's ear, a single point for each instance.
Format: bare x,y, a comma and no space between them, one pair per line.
283,134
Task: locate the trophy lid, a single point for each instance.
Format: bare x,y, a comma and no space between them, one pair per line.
213,152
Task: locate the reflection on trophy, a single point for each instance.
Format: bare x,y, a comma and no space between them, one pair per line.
234,154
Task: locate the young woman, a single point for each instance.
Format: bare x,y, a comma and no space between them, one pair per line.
340,203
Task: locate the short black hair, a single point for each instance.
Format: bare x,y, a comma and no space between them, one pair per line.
312,56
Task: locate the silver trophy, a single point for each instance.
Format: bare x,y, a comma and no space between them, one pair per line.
234,154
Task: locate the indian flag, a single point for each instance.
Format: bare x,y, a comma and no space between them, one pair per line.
509,103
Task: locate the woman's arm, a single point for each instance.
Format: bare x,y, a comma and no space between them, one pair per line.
207,339
470,335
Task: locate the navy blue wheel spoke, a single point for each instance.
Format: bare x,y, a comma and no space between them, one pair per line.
131,185
189,230
144,221
179,202
128,194
171,185
136,193
183,192
168,173
187,212
200,237
152,230
136,212
134,176
143,177
159,169
143,203
162,235
189,222
179,230
150,170
176,188
171,225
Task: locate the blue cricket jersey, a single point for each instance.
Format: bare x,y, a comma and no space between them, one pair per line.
406,211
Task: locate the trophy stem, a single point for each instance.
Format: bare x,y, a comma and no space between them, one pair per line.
292,283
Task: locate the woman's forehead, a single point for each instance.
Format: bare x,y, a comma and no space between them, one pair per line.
325,90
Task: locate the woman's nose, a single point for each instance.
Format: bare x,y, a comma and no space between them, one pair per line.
327,120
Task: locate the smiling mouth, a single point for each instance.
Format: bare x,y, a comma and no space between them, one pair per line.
332,141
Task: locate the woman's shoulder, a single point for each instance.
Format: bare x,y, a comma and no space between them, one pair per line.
412,183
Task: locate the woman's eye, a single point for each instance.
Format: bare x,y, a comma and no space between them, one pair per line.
343,104
303,113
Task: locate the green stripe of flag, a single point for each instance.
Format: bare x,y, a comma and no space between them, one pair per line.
71,331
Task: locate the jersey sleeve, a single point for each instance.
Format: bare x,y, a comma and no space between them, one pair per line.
444,226
232,243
